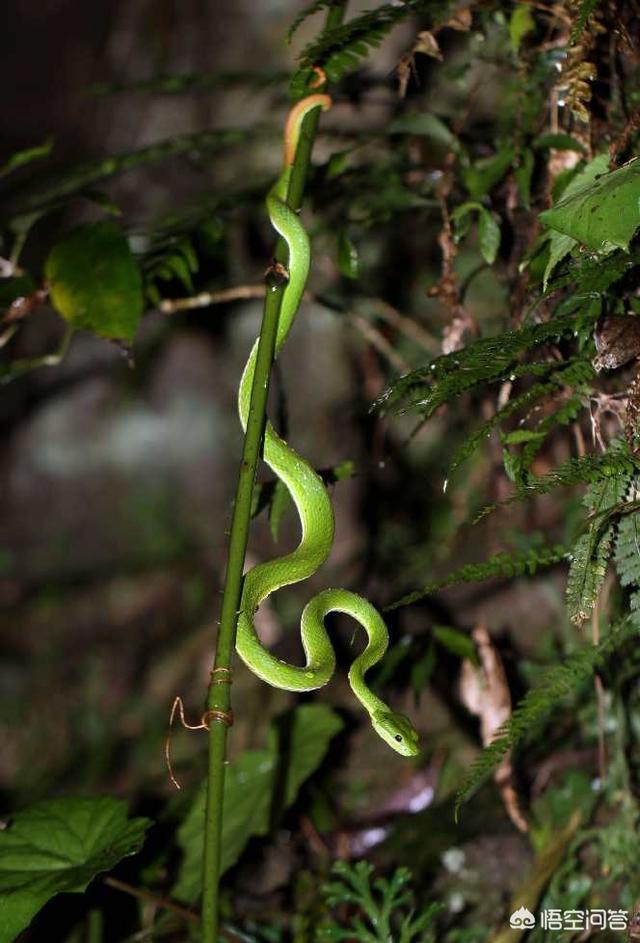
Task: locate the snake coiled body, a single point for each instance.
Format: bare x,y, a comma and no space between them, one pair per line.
314,507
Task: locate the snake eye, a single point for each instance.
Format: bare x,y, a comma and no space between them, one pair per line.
398,738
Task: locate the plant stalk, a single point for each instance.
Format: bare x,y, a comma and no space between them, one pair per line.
219,693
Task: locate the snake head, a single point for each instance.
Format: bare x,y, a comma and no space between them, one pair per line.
396,730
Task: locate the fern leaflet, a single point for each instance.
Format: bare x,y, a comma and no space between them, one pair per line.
627,554
585,10
316,7
576,373
593,549
488,360
338,49
500,566
575,471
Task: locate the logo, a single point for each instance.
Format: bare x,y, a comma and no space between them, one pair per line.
555,919
522,919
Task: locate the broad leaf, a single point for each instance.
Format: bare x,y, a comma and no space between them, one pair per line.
482,176
250,787
94,281
425,125
561,242
488,229
57,846
605,213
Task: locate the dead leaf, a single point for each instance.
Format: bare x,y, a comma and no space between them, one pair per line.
484,691
404,70
427,44
461,20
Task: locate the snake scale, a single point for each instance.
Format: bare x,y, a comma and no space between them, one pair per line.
314,507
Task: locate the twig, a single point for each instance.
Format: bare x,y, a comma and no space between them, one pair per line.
206,298
383,310
163,902
406,325
379,342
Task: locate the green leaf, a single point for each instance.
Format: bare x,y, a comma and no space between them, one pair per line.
482,176
561,243
425,125
489,235
20,158
348,259
521,23
604,213
253,783
560,142
338,163
488,229
559,246
94,281
456,642
59,846
523,174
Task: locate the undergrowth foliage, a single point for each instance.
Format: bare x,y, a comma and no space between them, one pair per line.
480,233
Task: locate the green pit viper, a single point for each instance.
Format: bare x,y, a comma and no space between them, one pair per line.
314,508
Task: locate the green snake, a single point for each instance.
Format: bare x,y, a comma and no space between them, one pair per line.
314,507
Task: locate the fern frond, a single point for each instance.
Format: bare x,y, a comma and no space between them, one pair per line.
627,550
488,360
593,549
181,83
341,48
557,685
500,566
316,7
563,416
576,471
575,373
94,172
585,9
587,572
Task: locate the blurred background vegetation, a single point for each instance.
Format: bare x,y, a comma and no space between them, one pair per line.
450,133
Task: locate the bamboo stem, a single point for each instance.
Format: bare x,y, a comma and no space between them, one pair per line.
219,694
